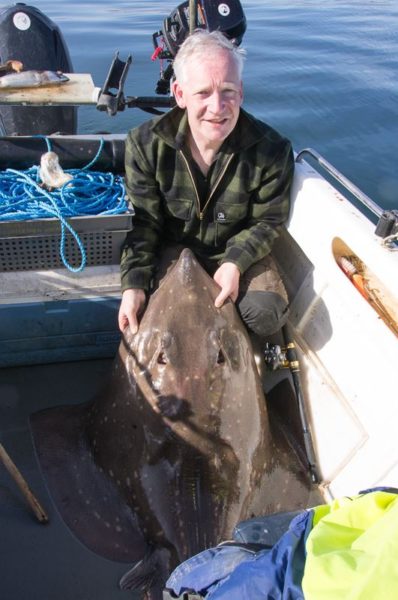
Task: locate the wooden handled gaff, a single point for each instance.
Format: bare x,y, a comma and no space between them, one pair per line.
23,486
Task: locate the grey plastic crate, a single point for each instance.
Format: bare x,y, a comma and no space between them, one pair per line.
35,244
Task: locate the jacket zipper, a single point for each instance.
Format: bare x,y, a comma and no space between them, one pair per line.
200,212
200,215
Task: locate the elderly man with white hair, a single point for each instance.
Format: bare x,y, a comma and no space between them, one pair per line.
208,176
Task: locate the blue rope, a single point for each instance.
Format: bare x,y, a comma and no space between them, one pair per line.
90,164
88,193
45,138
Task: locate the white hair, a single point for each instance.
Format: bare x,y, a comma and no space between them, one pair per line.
202,43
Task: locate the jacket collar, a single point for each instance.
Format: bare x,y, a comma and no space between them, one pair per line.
172,128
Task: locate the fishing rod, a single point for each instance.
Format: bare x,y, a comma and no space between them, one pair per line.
277,357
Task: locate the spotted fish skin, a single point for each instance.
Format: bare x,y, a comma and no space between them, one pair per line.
190,413
177,448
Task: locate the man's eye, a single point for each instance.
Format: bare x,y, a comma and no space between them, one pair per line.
230,93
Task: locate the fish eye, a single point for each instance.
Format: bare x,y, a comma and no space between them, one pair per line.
220,357
162,359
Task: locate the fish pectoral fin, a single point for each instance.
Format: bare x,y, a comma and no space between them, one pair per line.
149,574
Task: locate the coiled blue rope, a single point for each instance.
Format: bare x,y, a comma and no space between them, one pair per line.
88,193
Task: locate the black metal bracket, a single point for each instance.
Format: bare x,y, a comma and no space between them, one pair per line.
150,103
387,224
107,100
113,102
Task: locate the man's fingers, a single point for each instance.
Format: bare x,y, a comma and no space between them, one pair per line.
133,325
122,321
128,321
219,301
132,304
227,276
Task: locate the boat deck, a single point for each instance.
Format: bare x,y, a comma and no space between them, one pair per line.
43,562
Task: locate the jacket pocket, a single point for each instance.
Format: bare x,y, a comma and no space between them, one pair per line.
179,209
229,219
226,212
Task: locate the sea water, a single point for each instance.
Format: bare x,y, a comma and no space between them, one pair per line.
323,72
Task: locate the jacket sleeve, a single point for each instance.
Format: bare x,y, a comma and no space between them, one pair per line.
269,209
140,248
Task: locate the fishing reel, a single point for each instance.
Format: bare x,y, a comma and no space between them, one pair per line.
285,357
226,16
275,357
280,357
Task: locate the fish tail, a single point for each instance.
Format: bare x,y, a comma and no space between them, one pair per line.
144,575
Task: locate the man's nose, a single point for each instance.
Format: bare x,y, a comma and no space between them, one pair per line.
216,102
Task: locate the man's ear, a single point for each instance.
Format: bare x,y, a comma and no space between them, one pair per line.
178,94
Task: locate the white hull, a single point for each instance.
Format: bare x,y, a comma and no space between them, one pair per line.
349,356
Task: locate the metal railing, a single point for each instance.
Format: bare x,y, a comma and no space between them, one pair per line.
346,183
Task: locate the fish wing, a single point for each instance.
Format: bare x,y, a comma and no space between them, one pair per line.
85,495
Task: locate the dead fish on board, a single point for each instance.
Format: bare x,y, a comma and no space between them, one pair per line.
51,172
28,79
176,449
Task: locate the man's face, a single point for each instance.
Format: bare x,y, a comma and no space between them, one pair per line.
211,93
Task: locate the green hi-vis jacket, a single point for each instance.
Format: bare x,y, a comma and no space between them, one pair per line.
247,198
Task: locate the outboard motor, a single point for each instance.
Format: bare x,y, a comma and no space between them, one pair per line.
27,35
227,17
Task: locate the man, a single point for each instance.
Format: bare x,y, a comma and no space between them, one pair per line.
208,176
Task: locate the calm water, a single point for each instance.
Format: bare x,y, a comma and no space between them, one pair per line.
325,73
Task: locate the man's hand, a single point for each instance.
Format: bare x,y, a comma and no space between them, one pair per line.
133,301
227,276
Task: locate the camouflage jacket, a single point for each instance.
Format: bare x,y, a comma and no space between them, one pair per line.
236,221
